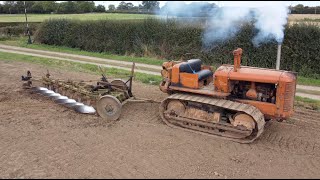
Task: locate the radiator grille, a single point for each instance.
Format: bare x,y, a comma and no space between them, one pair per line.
289,97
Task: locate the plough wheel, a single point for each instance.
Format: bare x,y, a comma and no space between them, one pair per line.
119,83
109,107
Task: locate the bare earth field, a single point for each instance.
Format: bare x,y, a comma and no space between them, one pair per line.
295,17
312,19
41,139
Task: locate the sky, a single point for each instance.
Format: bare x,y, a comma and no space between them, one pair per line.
223,3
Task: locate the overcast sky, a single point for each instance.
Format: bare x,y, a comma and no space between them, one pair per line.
225,3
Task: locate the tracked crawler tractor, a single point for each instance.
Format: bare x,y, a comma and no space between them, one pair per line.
234,102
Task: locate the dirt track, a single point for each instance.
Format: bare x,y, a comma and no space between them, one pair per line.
40,139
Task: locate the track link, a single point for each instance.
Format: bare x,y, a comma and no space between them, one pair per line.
214,129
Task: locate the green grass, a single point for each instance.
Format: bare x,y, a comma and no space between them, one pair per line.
307,103
308,81
79,67
21,42
88,16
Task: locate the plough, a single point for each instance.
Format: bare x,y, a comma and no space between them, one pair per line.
106,98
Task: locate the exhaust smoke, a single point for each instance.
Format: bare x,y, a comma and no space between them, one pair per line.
224,23
270,21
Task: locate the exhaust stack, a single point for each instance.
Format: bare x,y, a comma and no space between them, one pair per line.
237,59
278,57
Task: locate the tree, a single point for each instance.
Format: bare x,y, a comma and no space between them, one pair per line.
19,5
111,7
85,6
9,7
299,8
67,7
136,8
100,8
130,6
29,5
37,7
125,6
49,6
44,7
151,5
122,6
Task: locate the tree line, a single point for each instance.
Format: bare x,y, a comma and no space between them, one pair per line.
73,7
178,8
47,7
145,7
301,9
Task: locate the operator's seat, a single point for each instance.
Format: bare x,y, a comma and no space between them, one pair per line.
194,66
191,74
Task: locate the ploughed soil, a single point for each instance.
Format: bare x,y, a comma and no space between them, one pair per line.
41,139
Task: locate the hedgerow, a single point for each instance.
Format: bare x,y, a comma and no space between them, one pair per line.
171,40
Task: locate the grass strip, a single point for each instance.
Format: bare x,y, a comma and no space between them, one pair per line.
308,81
80,67
22,42
307,103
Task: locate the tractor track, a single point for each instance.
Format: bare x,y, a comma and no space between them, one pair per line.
41,139
281,143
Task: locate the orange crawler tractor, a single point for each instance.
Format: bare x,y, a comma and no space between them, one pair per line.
234,102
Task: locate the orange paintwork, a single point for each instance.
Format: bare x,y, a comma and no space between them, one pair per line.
221,79
175,74
269,109
206,92
227,75
286,94
189,80
245,73
237,58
